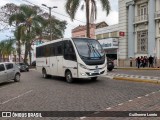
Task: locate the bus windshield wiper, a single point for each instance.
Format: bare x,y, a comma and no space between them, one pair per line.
95,51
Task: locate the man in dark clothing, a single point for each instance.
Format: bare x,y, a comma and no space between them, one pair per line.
150,59
138,60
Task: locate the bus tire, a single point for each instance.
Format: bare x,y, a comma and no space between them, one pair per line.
68,77
94,78
44,73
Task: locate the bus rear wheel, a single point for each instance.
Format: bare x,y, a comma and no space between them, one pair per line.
68,77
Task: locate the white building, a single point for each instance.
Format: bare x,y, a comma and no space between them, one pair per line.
140,20
109,39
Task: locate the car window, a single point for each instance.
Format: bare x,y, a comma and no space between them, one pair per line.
2,67
9,66
21,63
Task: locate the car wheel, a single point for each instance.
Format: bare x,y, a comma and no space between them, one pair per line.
44,73
68,77
17,77
27,70
94,78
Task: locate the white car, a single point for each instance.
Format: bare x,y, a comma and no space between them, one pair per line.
9,71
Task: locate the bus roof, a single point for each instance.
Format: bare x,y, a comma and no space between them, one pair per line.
61,39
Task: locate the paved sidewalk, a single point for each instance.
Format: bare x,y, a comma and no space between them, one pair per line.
134,78
135,68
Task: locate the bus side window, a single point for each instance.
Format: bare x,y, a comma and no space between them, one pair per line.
69,53
47,48
59,48
53,49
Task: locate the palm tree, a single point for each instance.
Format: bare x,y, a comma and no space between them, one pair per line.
72,7
30,24
7,48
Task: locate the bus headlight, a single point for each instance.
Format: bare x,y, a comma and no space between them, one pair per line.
81,65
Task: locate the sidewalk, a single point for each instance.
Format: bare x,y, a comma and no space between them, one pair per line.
134,78
135,68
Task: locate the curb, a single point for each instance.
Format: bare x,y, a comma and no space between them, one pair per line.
137,80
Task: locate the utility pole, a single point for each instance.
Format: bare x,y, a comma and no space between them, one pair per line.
50,18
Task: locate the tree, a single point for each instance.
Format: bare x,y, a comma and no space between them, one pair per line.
7,48
71,7
30,24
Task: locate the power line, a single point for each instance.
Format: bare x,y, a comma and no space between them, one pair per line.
53,11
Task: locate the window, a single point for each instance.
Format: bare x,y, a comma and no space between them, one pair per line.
106,35
9,66
99,36
2,67
40,51
47,50
59,48
69,53
114,34
142,40
53,49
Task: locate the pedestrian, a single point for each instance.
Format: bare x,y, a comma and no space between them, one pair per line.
142,61
150,59
138,60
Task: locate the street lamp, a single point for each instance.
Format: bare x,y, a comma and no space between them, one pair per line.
50,8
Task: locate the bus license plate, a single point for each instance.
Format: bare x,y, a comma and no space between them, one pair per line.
96,71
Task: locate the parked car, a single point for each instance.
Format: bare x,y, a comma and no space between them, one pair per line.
23,67
9,71
110,65
33,63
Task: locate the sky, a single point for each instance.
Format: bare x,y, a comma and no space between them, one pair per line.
60,14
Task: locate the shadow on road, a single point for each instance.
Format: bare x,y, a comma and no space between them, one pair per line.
76,81
6,83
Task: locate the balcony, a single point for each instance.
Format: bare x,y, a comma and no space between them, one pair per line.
141,18
157,15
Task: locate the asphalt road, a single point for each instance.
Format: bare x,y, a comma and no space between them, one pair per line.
34,93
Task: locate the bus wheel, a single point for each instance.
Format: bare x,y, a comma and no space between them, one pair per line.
94,78
44,73
68,77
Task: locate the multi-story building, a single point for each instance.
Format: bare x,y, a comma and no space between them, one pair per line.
80,31
140,20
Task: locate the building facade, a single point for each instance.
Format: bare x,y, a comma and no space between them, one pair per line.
80,31
140,20
109,39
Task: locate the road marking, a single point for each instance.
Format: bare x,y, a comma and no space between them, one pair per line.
153,92
146,95
108,108
16,97
139,97
82,118
120,104
130,100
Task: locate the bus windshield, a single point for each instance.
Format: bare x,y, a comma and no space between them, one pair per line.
88,48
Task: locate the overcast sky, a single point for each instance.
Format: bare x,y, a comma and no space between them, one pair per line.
60,13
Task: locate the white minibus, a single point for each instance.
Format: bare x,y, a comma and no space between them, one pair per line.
71,58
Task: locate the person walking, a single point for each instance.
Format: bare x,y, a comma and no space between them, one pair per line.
138,60
150,59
